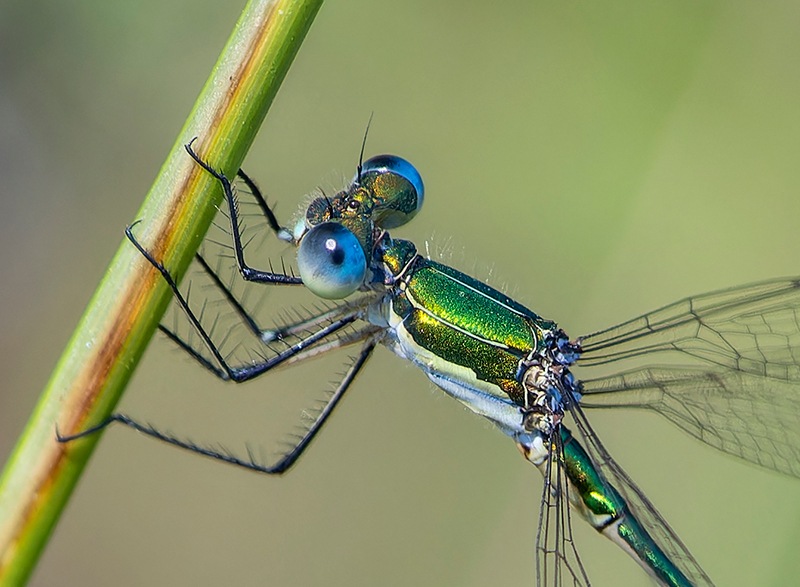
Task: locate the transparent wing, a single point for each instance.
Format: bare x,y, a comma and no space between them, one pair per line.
754,418
558,562
730,373
753,328
639,506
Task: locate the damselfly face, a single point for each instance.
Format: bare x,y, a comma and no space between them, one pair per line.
336,236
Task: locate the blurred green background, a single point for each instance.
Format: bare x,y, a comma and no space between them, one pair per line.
598,160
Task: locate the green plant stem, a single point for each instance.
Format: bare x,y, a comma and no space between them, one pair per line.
128,303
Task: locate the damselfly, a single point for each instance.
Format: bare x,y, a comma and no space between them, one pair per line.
727,365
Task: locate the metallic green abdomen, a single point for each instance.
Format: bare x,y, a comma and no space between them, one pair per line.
605,509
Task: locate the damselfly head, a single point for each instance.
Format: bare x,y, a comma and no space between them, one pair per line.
336,234
335,239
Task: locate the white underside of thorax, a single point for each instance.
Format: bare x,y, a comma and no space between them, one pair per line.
482,397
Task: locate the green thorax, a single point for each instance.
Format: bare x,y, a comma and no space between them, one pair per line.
462,321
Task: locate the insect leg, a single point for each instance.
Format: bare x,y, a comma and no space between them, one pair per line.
248,273
282,464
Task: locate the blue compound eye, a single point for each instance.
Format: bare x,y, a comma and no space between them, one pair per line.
331,261
398,166
396,187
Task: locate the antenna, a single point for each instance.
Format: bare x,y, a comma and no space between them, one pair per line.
363,144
